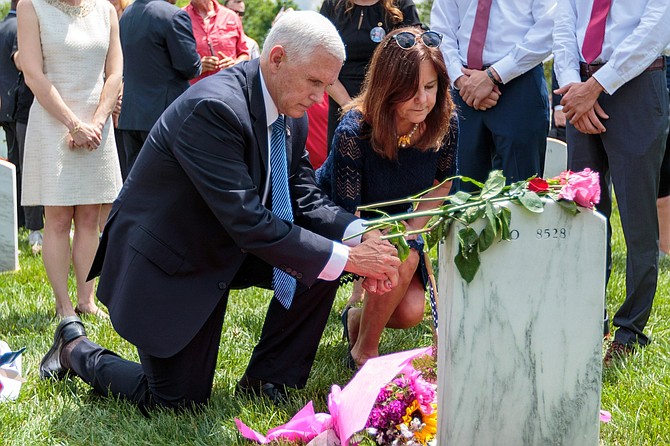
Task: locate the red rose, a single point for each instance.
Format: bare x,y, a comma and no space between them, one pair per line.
538,185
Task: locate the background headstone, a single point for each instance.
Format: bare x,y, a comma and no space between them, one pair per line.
9,244
520,346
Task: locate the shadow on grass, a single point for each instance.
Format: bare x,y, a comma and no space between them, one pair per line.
86,418
27,320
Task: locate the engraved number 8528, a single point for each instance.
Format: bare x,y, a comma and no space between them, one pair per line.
548,233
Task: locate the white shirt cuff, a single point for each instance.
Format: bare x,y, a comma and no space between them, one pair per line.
355,227
340,255
336,263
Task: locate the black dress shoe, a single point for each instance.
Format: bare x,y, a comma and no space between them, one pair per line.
68,329
252,386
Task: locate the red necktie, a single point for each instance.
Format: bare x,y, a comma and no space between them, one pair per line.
478,35
595,31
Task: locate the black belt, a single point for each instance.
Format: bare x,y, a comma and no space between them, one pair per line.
588,70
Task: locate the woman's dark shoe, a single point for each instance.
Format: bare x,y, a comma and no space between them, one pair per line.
69,329
351,363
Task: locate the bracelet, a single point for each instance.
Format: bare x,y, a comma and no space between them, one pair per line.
492,77
76,129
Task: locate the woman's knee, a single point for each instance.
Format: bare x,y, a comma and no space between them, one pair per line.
410,312
58,219
87,217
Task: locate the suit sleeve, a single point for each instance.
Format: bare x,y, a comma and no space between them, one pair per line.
181,46
211,148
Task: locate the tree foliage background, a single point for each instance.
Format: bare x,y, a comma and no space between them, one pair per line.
4,9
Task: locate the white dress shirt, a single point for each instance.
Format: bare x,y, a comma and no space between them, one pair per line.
340,253
518,36
636,33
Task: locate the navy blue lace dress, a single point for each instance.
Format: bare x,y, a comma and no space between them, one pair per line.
354,174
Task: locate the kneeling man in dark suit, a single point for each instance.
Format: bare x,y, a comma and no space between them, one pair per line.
223,196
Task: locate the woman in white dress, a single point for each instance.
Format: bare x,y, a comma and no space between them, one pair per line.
71,58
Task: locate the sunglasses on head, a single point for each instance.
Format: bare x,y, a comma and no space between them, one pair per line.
407,40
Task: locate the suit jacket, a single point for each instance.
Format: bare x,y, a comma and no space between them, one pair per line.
191,212
159,59
9,75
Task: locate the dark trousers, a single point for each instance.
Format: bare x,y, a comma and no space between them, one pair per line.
290,338
511,136
176,382
284,355
133,140
629,154
121,152
33,215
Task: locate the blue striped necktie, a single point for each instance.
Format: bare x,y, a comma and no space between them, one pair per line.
283,284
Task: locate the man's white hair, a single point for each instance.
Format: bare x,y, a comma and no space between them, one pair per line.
301,34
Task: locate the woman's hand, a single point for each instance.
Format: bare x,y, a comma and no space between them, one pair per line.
85,136
225,61
117,111
209,63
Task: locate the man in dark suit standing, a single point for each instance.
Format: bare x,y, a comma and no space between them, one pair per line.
159,59
193,221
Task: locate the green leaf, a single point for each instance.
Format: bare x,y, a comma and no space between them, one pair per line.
491,216
460,197
504,217
467,239
397,238
472,214
516,189
435,234
487,236
532,201
493,186
467,266
470,180
569,205
401,245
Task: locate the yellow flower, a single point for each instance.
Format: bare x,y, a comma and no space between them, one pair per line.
428,422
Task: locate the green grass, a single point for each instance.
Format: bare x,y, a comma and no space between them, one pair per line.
66,413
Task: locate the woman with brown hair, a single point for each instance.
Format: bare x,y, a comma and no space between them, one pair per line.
397,138
362,24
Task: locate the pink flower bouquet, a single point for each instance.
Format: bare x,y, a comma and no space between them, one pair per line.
388,402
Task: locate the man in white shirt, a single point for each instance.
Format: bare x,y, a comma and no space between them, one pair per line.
494,53
612,76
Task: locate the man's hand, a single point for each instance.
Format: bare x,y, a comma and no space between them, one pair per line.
590,123
581,107
579,98
378,261
559,118
477,89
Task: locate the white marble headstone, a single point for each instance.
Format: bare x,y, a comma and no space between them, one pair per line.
520,346
9,246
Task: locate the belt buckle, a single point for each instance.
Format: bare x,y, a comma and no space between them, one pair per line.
589,72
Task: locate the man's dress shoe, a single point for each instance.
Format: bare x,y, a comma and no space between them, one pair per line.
68,329
252,386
